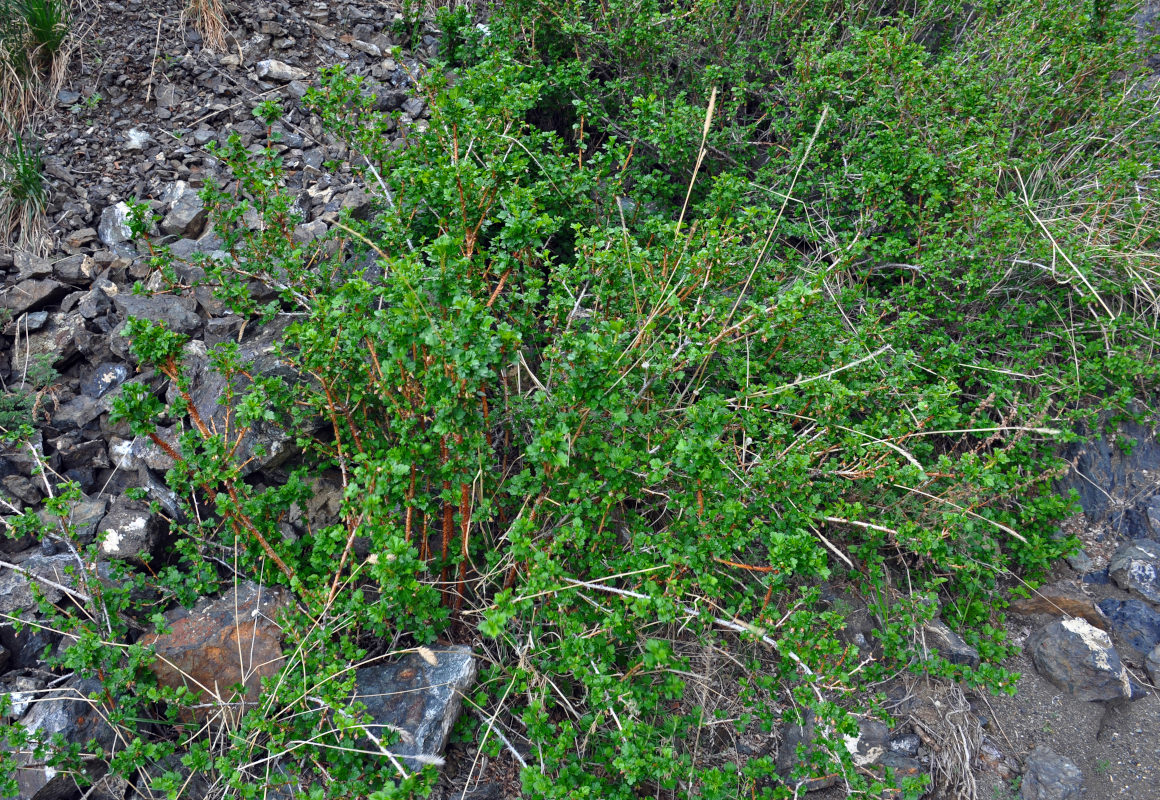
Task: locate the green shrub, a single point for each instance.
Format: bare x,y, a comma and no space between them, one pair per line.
679,324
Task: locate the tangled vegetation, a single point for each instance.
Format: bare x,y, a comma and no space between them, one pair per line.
681,326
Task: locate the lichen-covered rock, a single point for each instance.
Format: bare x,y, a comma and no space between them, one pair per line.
1080,659
128,531
1136,568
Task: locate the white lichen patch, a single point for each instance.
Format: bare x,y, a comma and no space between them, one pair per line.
862,759
111,542
1100,645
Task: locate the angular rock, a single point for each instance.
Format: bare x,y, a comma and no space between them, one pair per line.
31,266
1079,659
187,213
76,270
992,759
55,343
1135,624
128,531
77,413
113,228
871,743
419,698
279,71
949,644
1049,776
905,744
136,139
22,489
265,444
174,311
1061,598
793,738
15,592
232,639
70,714
84,516
104,378
1152,666
142,452
32,294
1135,567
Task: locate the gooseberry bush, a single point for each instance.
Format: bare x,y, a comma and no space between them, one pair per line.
671,338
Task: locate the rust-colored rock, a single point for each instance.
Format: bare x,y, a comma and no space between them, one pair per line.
221,642
1061,598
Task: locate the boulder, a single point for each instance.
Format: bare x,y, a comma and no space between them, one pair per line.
187,213
1152,666
1135,567
420,696
1135,624
1080,659
1061,598
32,294
178,313
1049,776
128,531
230,640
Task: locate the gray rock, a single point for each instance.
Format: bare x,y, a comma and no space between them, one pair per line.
1081,562
84,516
1079,658
104,378
414,106
128,531
22,489
136,139
265,444
15,593
70,714
31,266
871,743
949,644
309,231
76,269
112,229
1152,666
279,71
27,323
58,338
1134,623
176,312
795,738
142,452
31,295
67,98
297,89
1049,776
905,744
419,698
77,413
1135,567
187,213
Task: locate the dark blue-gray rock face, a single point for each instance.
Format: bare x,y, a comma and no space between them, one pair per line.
1152,665
1116,487
419,699
1136,624
1079,659
1049,776
1136,568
